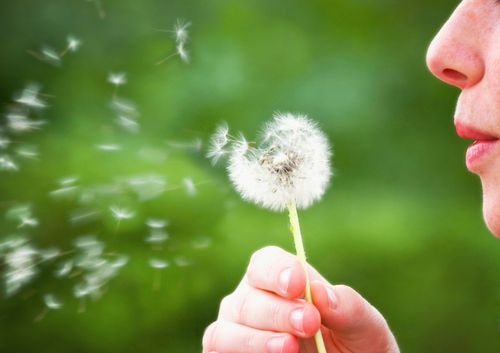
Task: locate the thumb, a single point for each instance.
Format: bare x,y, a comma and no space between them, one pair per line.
353,321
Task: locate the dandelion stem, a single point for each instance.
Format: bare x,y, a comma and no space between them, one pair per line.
301,254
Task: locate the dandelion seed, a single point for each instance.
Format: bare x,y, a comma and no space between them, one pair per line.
156,237
68,180
73,43
109,147
158,264
29,152
30,97
6,163
182,52
64,269
81,216
49,254
121,213
180,31
189,186
63,192
127,123
19,123
21,268
218,142
47,54
120,261
117,79
51,302
156,223
27,221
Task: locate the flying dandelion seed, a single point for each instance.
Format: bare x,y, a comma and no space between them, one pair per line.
21,267
51,303
73,44
117,78
289,169
158,265
181,36
30,97
156,223
181,261
121,214
218,143
109,147
147,187
189,186
195,145
29,152
201,242
64,269
7,164
128,123
46,54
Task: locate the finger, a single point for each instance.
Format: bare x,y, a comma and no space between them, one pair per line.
227,337
266,311
351,317
273,269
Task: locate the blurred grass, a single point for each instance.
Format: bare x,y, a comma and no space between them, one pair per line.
401,222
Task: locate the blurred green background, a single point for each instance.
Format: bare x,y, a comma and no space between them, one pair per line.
401,222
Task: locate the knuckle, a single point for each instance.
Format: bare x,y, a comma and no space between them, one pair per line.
250,342
209,337
240,310
225,308
259,256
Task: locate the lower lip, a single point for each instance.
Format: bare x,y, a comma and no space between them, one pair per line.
477,151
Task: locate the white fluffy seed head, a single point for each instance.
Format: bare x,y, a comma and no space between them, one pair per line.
292,163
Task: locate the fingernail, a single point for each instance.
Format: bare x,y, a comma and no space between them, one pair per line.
332,298
284,280
276,344
297,320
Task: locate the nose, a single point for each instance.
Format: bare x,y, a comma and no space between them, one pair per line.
454,55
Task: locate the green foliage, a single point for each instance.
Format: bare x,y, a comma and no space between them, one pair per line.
401,222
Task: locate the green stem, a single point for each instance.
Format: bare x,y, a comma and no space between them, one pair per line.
301,254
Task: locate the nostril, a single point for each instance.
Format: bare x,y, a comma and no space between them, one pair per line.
454,75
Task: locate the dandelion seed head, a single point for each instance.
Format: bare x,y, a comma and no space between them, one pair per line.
291,164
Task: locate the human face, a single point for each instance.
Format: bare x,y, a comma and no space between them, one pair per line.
466,54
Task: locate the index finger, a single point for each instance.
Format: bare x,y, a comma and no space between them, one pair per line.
275,270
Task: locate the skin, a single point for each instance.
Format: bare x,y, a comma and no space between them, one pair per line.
266,312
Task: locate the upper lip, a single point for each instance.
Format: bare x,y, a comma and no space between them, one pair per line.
469,132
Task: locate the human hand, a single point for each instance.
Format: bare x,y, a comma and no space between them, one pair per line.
266,313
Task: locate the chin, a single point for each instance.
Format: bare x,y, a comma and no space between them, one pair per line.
491,212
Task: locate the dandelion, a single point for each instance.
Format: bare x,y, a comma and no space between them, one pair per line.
290,169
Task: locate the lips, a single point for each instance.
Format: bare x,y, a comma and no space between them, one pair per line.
478,150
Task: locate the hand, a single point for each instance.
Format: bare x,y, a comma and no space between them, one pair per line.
266,313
